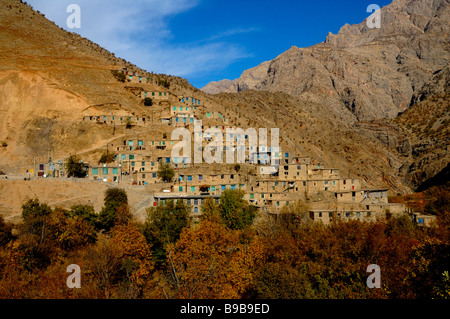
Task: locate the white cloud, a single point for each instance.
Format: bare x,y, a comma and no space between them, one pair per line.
137,30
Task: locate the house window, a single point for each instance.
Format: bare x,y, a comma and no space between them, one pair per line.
180,188
252,196
189,178
262,196
95,171
195,201
213,188
196,209
233,187
115,171
105,171
223,187
154,175
200,177
192,189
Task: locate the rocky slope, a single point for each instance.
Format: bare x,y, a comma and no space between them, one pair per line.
49,78
361,73
364,78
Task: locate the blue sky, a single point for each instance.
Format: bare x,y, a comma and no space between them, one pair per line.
205,40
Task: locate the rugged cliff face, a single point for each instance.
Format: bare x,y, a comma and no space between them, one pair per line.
364,78
371,73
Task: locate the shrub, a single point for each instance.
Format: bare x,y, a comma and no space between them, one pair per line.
129,124
148,101
106,158
118,75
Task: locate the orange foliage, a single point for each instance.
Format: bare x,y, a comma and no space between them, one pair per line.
209,262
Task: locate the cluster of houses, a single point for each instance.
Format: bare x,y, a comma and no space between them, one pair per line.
271,188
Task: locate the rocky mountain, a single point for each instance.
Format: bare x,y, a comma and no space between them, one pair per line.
361,73
364,78
337,102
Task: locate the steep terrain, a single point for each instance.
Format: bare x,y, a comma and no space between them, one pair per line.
321,98
361,73
363,78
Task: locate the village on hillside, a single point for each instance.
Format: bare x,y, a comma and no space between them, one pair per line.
135,160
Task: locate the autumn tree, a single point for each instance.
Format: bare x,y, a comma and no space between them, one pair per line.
136,263
208,262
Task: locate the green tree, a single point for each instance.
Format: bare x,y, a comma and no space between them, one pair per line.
166,172
85,212
75,167
148,101
235,211
34,215
115,209
163,226
210,209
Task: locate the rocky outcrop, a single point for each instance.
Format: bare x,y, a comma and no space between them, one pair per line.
361,73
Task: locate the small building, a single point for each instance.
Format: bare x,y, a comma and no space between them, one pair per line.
105,172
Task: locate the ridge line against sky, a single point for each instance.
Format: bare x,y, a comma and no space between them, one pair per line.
205,40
